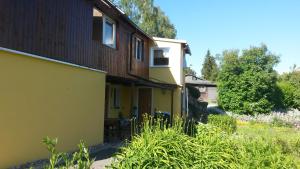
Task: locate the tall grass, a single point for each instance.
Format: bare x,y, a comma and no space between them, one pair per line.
226,123
209,147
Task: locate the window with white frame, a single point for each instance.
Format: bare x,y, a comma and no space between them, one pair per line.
139,49
160,57
109,32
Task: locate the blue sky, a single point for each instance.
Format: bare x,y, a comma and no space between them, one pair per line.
237,24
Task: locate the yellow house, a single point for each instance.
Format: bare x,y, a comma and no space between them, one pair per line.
78,74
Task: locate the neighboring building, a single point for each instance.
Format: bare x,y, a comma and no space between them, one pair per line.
207,89
72,68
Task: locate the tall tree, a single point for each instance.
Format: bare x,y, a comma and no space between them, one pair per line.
210,68
148,17
247,82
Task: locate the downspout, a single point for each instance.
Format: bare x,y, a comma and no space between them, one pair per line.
172,104
187,102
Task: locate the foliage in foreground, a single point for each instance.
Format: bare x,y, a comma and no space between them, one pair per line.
58,160
247,82
224,122
210,148
285,138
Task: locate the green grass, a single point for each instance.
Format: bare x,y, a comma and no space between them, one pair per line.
287,138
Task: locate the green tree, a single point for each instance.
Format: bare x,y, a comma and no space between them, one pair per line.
189,71
289,85
210,68
148,17
247,82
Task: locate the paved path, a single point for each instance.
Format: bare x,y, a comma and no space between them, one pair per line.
104,156
101,163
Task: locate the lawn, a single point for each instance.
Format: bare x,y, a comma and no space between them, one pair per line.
286,137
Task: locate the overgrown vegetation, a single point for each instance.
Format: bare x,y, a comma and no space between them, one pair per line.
277,122
224,122
286,139
60,160
158,147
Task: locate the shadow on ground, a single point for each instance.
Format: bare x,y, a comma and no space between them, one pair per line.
108,151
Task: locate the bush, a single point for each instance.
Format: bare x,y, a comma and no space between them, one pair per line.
224,122
289,85
158,147
247,82
288,95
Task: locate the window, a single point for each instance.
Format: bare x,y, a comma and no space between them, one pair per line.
104,29
159,57
115,93
139,49
109,32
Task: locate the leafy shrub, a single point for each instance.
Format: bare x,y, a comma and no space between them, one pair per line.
289,84
277,122
247,82
288,95
194,92
226,123
79,159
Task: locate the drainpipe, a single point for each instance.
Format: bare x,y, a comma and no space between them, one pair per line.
187,102
172,104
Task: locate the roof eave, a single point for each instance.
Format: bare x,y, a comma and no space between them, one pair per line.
128,19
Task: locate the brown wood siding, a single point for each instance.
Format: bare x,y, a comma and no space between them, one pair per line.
63,30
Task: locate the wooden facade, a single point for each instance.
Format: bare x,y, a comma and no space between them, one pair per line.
63,30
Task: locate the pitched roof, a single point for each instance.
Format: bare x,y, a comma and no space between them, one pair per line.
184,42
197,81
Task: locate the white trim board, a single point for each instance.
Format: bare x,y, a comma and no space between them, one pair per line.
48,59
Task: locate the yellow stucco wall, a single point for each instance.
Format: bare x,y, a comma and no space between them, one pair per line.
125,102
177,102
41,98
162,100
163,75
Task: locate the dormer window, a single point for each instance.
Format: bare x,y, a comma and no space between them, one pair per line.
159,56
